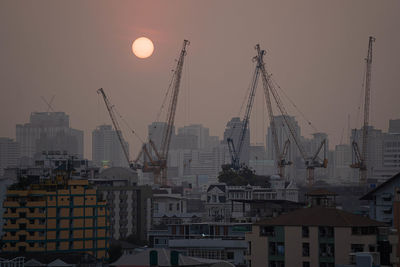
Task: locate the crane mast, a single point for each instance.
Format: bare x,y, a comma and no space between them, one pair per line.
311,162
158,164
235,154
115,123
361,157
280,157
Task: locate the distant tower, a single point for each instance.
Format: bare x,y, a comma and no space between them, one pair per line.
49,131
106,147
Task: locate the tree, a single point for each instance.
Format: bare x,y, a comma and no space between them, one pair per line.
243,176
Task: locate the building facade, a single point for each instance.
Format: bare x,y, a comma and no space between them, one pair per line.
9,154
106,147
59,216
49,131
127,206
218,241
319,237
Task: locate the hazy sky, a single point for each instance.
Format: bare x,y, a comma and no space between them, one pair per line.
315,50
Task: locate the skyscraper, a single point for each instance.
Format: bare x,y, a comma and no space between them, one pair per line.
49,131
156,132
9,153
106,147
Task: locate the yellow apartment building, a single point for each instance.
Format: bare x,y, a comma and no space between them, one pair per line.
62,216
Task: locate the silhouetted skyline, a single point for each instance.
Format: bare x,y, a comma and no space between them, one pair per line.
315,52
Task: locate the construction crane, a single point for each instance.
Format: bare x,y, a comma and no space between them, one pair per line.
156,162
311,162
116,125
360,157
279,156
235,151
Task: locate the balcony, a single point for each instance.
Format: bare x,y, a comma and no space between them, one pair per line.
11,204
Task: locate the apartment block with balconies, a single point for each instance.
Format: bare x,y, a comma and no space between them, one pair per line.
49,217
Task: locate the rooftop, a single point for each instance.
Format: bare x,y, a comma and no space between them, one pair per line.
321,216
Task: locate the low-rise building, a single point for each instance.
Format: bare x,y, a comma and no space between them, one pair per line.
170,207
214,240
228,203
319,236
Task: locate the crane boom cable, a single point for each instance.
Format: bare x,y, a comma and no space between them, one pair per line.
294,105
115,123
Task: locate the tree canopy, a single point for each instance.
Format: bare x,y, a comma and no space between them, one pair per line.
243,176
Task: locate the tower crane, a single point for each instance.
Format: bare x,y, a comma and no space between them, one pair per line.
236,151
279,156
157,162
114,121
360,157
311,162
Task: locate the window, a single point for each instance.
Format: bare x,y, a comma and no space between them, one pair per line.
229,255
305,231
31,221
249,247
372,248
31,233
13,233
13,221
177,206
326,231
306,264
357,247
276,248
267,231
22,238
171,206
326,250
306,249
13,210
31,210
22,214
31,245
22,226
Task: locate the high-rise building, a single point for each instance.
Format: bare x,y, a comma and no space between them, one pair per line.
55,217
341,162
49,131
126,202
9,153
233,130
283,134
106,147
374,155
156,132
198,130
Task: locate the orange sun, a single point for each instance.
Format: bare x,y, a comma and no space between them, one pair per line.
143,47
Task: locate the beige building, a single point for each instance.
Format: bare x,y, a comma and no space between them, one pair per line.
319,237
